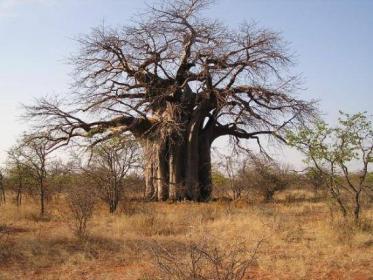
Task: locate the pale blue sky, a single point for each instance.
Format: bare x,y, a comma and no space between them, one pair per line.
333,42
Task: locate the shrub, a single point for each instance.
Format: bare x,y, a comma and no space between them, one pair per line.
81,203
270,176
4,247
203,260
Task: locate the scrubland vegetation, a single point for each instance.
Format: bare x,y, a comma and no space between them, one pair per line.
120,180
295,237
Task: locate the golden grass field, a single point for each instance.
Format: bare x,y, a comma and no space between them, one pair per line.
298,239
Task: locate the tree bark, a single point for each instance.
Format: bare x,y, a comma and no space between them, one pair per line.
192,158
19,191
178,166
114,197
340,203
42,198
357,207
150,170
176,171
204,172
2,190
2,195
19,197
162,172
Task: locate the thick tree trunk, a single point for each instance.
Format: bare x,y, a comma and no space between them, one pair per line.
179,172
178,166
192,159
176,171
205,177
162,171
150,170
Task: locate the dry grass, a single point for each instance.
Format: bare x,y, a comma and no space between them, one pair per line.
299,239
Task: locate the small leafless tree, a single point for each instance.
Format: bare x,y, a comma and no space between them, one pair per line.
19,174
59,176
82,200
317,180
204,260
270,176
32,153
233,169
110,163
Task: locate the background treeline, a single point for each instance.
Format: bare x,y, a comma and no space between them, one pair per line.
111,172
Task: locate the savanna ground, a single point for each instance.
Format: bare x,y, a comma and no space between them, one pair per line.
296,237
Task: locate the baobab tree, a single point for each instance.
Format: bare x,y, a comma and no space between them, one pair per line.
177,82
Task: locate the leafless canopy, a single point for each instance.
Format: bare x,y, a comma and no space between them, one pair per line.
173,60
177,81
110,163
